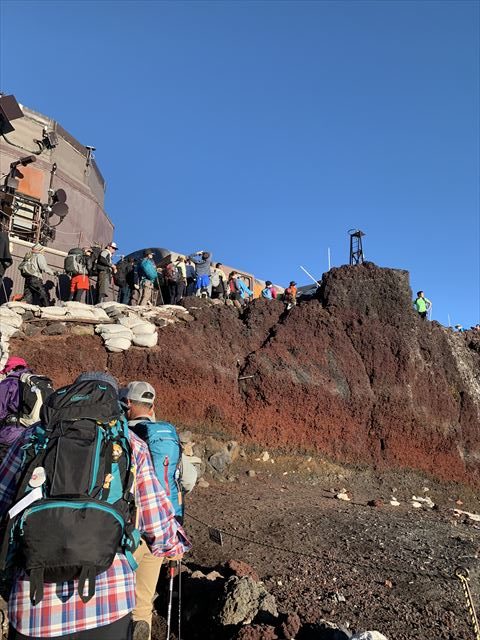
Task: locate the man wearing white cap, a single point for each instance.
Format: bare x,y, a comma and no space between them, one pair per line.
166,452
105,268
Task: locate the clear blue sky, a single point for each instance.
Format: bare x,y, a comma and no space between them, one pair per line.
263,131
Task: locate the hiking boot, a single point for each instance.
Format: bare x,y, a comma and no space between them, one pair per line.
141,630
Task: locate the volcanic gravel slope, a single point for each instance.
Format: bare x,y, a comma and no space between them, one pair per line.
376,567
354,374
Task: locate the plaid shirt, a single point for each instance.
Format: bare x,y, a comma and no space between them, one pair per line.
61,611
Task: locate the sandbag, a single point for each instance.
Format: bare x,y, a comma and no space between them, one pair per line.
21,307
117,344
144,329
111,330
11,318
131,321
52,313
145,339
7,330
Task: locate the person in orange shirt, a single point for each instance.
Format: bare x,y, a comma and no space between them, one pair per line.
290,295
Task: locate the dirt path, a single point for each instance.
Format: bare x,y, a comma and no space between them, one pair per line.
385,568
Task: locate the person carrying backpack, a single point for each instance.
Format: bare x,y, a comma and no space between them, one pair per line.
166,452
269,292
174,281
217,279
22,394
104,269
147,271
121,280
76,266
32,268
290,296
90,487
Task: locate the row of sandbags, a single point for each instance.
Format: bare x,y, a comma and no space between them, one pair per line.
66,310
129,330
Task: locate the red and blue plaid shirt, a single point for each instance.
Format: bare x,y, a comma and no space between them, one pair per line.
61,611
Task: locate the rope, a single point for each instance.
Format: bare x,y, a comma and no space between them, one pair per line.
319,558
463,576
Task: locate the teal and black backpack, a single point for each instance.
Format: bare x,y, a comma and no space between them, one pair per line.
166,452
79,464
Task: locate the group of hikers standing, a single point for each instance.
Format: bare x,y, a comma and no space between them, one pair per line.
77,462
141,282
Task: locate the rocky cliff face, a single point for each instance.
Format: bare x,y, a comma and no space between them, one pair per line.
355,375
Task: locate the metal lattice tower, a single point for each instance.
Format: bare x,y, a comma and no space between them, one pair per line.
356,248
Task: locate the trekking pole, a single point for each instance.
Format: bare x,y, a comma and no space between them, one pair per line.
179,565
4,291
171,572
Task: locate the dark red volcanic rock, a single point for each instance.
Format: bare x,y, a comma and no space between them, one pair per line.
356,375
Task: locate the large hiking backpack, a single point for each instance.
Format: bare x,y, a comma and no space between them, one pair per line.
148,270
34,390
79,460
73,264
96,251
166,452
26,266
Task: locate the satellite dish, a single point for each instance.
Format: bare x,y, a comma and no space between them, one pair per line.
60,196
59,209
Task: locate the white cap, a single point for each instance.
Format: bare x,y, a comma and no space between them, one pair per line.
140,392
113,245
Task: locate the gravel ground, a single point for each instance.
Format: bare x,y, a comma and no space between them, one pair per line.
371,567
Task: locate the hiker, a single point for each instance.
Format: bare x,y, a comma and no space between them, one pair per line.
6,259
121,280
422,305
32,268
290,295
182,280
234,290
147,273
166,452
105,268
269,292
21,396
219,285
91,541
132,280
245,293
77,266
191,277
202,263
172,276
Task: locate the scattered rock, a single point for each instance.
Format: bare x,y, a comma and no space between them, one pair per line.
244,599
213,575
251,473
203,483
220,461
82,330
241,569
198,575
256,632
32,330
394,502
375,503
324,630
55,329
290,627
369,635
265,457
343,495
428,502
